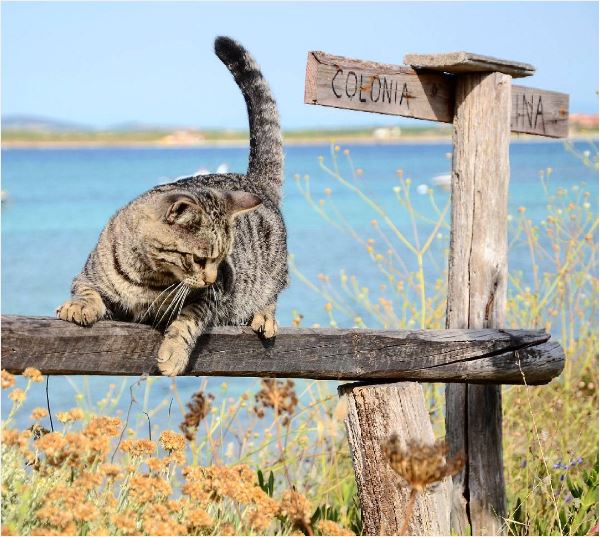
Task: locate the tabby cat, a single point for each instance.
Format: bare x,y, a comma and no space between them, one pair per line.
202,251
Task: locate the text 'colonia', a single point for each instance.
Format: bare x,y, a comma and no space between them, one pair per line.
373,88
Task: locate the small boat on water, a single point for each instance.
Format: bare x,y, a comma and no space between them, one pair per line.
3,195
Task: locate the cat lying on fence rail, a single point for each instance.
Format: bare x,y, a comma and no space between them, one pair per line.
202,251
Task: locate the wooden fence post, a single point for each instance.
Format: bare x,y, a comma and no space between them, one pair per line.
477,283
474,92
374,413
478,274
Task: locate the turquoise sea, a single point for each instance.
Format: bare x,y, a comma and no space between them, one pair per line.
59,199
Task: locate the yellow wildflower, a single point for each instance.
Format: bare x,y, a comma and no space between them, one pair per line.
296,508
85,512
329,527
143,488
17,395
101,426
125,522
88,480
19,439
157,465
172,441
226,530
176,506
138,448
38,413
8,380
157,521
55,516
34,374
197,519
112,471
72,415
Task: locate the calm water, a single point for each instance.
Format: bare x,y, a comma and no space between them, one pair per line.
59,200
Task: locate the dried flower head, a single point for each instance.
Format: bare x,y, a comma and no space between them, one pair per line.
226,530
71,415
88,481
38,413
112,471
85,512
17,395
138,448
8,380
278,395
329,527
34,374
157,465
172,441
198,519
19,439
296,508
102,426
198,409
125,522
144,489
419,464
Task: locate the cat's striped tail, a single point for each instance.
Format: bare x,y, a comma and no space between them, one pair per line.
266,145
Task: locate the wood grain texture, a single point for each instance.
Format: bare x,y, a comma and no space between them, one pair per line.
400,90
377,87
536,111
468,62
374,413
115,348
477,282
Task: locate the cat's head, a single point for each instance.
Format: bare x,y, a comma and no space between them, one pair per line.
187,235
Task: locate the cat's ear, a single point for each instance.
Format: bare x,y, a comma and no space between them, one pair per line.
180,209
239,201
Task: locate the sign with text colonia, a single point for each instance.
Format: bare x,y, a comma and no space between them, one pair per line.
423,94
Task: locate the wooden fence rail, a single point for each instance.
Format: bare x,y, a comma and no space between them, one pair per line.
116,348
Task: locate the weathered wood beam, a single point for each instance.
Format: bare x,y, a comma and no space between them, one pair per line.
425,92
115,348
374,413
477,284
468,62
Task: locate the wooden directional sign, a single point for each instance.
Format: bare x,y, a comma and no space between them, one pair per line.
424,93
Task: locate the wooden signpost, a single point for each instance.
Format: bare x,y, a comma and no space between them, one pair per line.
473,355
476,94
426,92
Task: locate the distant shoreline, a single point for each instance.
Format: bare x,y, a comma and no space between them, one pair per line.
348,140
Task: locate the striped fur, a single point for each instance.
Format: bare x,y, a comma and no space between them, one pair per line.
201,251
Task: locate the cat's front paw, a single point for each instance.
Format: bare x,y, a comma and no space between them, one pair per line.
79,312
173,357
264,324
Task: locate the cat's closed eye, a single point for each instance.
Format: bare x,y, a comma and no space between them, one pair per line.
199,261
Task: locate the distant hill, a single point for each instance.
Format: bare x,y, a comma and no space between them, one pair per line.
137,126
40,124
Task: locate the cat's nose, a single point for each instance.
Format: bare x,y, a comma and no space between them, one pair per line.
210,274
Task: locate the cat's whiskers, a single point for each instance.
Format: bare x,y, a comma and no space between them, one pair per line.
140,319
183,301
178,301
173,294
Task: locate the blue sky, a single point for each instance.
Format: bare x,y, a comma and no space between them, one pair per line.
104,63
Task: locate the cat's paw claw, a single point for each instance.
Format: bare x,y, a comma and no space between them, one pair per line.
172,358
264,324
78,312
